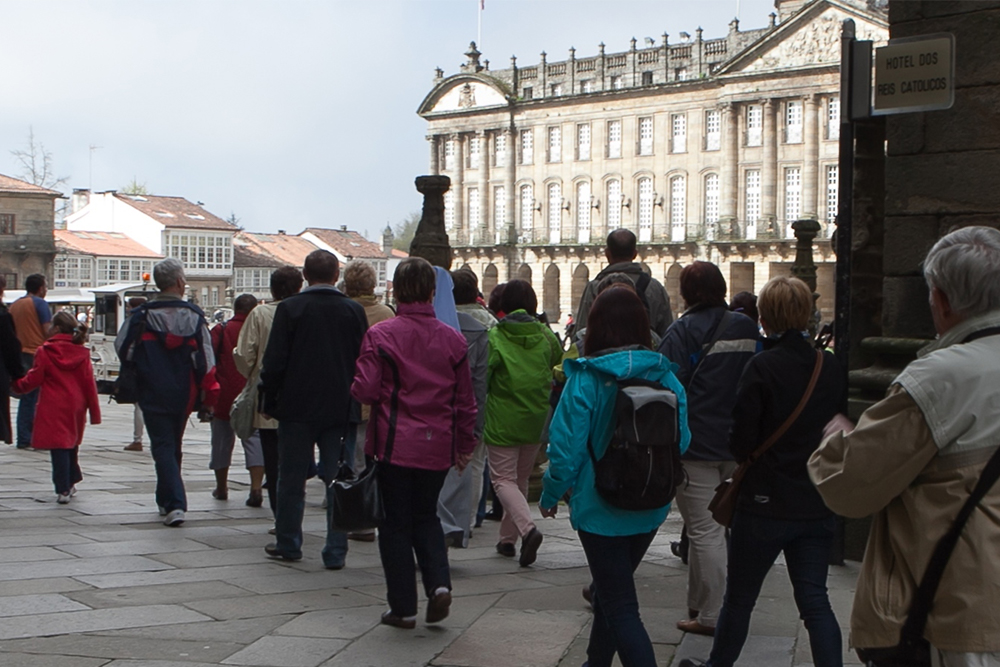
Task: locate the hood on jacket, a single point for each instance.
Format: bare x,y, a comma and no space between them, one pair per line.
522,329
622,364
630,268
472,329
64,353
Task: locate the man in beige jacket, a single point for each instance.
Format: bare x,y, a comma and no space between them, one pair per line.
914,458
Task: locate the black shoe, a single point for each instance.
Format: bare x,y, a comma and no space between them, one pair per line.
529,547
389,618
688,662
588,595
272,551
506,549
494,515
255,499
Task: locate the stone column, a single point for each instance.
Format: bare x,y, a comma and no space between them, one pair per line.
458,187
485,196
430,240
810,166
435,155
729,178
769,171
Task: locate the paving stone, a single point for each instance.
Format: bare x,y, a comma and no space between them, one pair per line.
95,620
39,586
169,543
265,605
170,575
46,603
29,660
241,631
541,639
305,581
30,554
76,567
334,623
107,647
163,594
287,652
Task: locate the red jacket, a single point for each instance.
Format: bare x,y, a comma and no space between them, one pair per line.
231,382
62,369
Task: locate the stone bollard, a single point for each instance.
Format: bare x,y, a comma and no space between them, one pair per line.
431,240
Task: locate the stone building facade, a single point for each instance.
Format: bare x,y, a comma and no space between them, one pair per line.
705,148
27,220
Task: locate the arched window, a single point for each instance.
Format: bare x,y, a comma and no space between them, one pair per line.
614,212
489,280
711,205
645,210
678,209
583,212
527,210
581,276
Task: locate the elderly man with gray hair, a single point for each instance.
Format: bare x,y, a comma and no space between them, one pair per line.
168,341
913,460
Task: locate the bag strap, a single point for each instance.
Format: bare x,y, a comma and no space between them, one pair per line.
795,415
717,333
913,629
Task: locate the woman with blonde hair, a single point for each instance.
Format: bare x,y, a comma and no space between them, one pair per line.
779,510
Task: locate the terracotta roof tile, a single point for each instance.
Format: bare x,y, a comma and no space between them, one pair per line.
16,186
101,244
347,243
278,249
176,212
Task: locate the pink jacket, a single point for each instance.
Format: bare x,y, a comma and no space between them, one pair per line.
414,372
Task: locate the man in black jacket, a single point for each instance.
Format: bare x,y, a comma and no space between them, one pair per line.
307,372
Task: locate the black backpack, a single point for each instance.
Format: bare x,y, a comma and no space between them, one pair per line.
641,469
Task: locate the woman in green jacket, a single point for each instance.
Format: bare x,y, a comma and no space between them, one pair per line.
523,352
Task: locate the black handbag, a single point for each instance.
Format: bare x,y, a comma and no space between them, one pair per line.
356,501
125,389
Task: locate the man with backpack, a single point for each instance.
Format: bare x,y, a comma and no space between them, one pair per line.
168,341
620,252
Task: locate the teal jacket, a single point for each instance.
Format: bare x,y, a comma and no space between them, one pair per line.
585,412
523,352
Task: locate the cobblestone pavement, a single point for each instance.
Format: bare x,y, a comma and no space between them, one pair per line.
101,582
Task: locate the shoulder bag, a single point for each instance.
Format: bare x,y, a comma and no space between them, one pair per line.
727,494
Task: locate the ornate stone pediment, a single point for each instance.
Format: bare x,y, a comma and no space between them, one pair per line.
466,95
816,42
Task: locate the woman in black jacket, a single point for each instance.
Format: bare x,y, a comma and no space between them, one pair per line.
11,367
779,510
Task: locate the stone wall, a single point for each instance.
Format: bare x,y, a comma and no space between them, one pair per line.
31,248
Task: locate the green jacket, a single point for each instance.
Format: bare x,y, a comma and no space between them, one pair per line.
522,354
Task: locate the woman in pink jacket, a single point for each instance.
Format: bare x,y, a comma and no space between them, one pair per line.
414,373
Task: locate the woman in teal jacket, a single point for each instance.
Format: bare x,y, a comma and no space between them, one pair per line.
523,352
615,540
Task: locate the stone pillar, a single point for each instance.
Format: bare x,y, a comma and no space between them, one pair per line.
435,155
810,166
458,187
804,267
430,240
769,171
508,232
729,178
485,196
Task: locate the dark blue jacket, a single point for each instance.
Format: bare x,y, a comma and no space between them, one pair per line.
712,396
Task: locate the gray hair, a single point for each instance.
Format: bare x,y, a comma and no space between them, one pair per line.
359,279
167,273
965,265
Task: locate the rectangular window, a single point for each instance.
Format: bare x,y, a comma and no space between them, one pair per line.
557,89
793,197
645,210
614,212
499,209
713,130
583,141
205,252
647,78
7,226
449,211
475,151
833,118
793,122
678,209
527,209
473,222
678,138
583,212
617,83
614,138
500,148
449,154
527,146
646,136
555,144
755,125
711,205
832,194
752,202
682,74
528,92
587,86
555,213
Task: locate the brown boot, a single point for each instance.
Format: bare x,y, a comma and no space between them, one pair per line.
133,447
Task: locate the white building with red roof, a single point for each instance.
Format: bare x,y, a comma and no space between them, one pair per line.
95,259
256,256
349,245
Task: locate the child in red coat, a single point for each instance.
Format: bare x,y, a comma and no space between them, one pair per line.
62,369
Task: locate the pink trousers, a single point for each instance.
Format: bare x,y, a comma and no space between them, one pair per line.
510,468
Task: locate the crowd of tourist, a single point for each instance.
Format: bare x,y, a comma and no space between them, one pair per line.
455,393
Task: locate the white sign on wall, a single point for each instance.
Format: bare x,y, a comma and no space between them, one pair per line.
915,74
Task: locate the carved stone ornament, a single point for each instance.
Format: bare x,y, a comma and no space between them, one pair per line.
816,43
467,97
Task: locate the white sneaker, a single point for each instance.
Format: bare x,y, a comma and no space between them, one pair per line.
162,510
72,491
174,518
63,498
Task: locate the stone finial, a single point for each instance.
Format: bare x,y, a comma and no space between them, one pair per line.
774,20
513,62
666,39
431,240
544,55
632,42
486,65
572,53
698,33
600,48
472,64
387,238
734,25
438,73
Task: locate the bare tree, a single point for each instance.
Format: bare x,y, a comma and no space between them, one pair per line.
134,187
233,220
36,164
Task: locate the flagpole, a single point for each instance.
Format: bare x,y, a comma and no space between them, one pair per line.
479,31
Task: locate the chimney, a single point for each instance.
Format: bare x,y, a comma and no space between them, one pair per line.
281,232
343,228
80,199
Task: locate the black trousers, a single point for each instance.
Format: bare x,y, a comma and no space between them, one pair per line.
269,446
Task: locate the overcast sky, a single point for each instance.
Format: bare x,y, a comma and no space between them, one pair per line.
289,114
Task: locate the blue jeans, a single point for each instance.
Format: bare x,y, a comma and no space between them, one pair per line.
295,456
65,469
26,407
166,431
411,527
754,545
617,627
